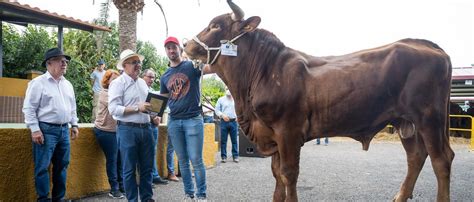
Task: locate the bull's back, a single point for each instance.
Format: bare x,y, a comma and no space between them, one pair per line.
365,88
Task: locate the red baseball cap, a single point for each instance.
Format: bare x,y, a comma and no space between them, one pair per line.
171,39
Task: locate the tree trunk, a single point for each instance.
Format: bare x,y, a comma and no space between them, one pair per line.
128,22
128,29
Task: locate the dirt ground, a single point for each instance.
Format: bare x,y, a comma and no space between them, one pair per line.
341,171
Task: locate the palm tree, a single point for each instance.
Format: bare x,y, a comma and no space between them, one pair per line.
128,10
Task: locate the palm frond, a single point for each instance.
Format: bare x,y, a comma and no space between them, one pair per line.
164,16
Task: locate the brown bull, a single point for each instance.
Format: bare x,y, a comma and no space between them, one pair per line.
285,97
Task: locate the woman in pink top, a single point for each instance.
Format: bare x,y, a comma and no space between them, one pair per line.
104,130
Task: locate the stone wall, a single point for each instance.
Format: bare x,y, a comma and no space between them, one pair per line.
86,172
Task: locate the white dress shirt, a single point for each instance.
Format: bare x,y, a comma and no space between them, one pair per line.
51,101
226,106
125,92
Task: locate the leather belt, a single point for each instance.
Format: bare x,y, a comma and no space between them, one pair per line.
55,124
137,125
230,120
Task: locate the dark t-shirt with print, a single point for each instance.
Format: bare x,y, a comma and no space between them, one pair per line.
182,85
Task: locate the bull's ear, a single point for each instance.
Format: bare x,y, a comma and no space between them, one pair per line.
250,24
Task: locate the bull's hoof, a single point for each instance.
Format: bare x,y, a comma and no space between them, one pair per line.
400,198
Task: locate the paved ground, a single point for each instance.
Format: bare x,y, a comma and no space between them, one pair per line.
341,171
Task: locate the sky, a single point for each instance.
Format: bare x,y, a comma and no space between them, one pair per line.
316,27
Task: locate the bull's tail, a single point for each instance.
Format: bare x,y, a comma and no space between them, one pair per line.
448,96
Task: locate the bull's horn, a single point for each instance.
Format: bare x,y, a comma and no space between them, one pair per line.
238,13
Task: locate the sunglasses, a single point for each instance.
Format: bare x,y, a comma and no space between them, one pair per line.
135,62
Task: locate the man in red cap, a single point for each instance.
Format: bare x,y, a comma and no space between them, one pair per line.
180,83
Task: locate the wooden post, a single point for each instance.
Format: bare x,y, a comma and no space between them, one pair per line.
60,37
1,49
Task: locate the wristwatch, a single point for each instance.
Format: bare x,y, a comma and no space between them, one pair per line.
136,109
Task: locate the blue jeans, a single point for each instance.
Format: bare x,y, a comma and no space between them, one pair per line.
229,128
55,150
156,175
108,143
136,149
187,136
326,140
208,119
170,156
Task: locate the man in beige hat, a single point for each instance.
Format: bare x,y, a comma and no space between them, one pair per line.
127,95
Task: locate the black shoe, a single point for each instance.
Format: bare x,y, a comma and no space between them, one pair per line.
116,194
160,181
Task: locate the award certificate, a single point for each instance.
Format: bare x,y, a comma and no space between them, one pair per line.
158,104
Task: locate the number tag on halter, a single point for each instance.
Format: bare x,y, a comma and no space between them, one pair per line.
229,49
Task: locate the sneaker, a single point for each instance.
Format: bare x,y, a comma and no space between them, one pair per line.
236,160
201,199
172,177
189,198
223,160
160,181
116,194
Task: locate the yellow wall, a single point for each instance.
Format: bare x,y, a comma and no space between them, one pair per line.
86,172
13,87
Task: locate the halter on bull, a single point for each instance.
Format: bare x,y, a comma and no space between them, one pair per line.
285,97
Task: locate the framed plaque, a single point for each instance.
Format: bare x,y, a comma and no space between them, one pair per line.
158,104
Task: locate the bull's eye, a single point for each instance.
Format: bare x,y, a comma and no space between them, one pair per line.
214,26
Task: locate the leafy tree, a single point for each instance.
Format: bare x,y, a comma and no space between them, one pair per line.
83,48
152,60
11,42
76,73
25,51
213,88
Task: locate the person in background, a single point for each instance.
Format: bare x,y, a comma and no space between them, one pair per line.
180,83
49,106
466,106
149,77
127,95
104,130
326,141
225,110
208,113
96,78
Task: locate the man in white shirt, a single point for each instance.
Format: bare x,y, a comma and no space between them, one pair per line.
225,110
127,95
96,78
49,106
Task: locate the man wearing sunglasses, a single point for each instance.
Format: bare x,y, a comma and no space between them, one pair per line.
127,95
49,108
